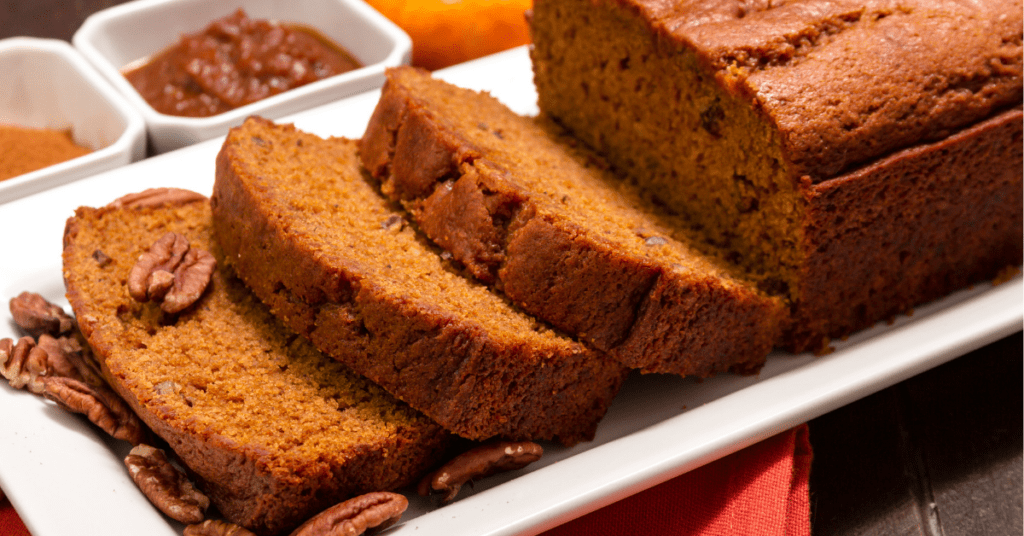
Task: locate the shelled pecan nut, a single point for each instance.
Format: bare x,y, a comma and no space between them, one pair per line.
68,358
216,527
36,316
165,485
479,462
172,273
378,510
155,197
99,404
24,364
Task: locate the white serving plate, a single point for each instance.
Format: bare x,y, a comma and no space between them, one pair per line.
657,428
120,35
48,84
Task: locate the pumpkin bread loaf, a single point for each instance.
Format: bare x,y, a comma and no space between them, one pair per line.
545,222
857,157
273,430
313,238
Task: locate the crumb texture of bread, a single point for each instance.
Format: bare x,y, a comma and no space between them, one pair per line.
337,262
274,430
826,147
534,213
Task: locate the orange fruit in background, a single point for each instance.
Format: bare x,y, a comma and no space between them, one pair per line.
446,32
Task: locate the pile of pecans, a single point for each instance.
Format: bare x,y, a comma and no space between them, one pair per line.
53,360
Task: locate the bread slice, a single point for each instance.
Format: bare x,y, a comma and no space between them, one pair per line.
855,157
334,260
544,221
273,430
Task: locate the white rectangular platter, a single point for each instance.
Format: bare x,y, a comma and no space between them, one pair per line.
64,477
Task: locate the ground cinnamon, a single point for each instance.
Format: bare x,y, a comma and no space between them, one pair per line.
25,149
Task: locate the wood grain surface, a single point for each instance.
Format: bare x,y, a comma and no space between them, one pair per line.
939,454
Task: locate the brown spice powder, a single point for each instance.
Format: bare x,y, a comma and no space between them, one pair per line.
25,149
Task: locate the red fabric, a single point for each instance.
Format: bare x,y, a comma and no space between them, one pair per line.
759,491
10,523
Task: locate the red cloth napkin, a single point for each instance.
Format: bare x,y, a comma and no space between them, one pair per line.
10,523
759,491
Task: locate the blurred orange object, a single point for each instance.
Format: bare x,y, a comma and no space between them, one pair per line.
446,32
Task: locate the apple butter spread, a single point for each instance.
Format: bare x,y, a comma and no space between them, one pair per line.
233,62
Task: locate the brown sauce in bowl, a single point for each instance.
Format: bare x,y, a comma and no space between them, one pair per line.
233,62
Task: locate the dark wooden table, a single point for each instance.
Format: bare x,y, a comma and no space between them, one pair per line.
939,454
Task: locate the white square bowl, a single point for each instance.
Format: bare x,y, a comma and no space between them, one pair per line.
117,36
47,84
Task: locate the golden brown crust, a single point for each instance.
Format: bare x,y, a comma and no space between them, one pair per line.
821,145
626,287
374,297
253,411
909,229
848,81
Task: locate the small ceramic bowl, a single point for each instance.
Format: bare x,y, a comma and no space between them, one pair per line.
118,36
47,84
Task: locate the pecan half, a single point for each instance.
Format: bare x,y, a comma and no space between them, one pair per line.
172,273
69,359
166,486
36,316
379,510
155,197
24,364
479,462
216,527
100,405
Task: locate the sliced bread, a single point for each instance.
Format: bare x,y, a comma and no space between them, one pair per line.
541,218
306,230
273,430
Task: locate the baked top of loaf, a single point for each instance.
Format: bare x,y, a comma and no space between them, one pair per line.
527,208
847,81
818,144
334,259
275,430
